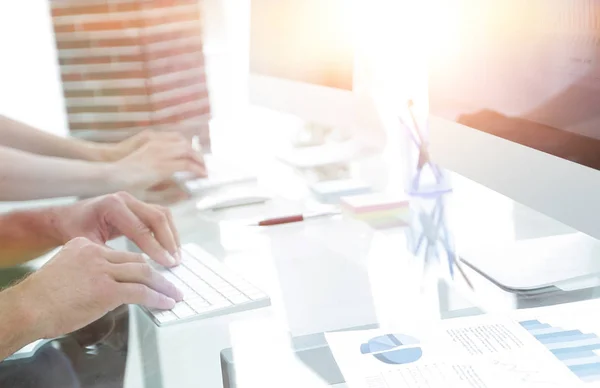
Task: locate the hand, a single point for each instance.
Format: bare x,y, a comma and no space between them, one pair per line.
165,193
117,151
86,280
157,161
101,219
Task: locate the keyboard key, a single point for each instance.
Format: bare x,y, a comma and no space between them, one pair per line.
209,261
184,274
166,316
215,307
213,280
249,290
188,293
199,285
198,304
213,297
229,291
184,288
172,278
182,310
242,284
196,267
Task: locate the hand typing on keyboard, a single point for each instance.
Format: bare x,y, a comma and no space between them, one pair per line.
156,161
209,288
86,279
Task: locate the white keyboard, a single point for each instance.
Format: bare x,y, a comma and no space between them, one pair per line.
209,287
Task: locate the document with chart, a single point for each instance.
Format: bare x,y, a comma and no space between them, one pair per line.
556,346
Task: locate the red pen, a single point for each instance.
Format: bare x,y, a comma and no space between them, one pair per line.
293,218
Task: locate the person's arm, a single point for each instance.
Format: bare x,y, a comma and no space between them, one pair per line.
25,176
17,315
25,235
85,279
18,135
15,134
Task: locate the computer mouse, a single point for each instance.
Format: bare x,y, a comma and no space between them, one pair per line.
219,202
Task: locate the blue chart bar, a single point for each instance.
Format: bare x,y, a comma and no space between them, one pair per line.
548,330
557,334
586,370
539,326
526,324
572,347
582,360
575,355
577,349
583,340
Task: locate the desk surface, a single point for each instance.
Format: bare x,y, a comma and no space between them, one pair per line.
327,274
330,274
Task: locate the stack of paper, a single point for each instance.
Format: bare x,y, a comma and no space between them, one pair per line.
377,209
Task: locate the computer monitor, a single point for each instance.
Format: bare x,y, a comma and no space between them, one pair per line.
305,60
514,94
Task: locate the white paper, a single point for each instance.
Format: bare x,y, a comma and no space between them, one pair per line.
555,346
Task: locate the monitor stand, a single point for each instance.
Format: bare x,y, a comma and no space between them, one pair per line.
568,262
316,145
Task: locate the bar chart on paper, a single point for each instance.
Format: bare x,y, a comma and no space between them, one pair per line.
577,349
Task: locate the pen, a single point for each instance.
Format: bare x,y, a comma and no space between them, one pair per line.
456,259
293,218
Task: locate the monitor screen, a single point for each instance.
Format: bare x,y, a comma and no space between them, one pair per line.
308,41
527,71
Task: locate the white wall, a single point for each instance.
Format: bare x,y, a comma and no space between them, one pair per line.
30,89
226,32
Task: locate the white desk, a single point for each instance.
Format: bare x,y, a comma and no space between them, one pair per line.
312,290
363,277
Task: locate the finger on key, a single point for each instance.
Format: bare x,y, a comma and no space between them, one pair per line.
135,293
157,219
128,223
146,275
171,222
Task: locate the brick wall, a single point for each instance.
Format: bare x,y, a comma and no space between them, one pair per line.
127,65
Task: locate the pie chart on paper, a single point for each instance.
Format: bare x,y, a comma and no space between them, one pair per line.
393,349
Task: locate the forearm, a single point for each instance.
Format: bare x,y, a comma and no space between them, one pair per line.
23,137
25,176
26,235
17,322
